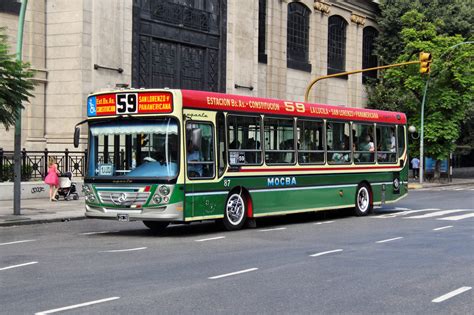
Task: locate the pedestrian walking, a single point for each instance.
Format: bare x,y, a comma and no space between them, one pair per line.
415,165
52,179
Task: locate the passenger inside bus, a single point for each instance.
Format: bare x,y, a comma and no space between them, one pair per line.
194,155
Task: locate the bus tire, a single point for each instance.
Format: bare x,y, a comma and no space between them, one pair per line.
156,226
235,212
363,200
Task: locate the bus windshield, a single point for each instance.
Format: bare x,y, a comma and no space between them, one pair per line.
145,148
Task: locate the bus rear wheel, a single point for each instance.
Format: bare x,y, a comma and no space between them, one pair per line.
363,200
235,212
156,226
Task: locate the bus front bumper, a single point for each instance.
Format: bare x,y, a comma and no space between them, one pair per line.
169,213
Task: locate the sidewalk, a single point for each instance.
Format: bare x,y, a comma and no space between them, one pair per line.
34,211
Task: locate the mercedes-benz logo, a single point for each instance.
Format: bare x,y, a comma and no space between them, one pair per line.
396,183
122,198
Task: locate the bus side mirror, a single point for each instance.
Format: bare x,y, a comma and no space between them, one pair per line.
77,133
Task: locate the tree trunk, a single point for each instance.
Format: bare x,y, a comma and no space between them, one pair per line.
437,171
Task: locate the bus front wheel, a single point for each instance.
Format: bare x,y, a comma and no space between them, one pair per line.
363,200
234,213
156,226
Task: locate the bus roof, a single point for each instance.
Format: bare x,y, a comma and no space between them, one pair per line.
246,104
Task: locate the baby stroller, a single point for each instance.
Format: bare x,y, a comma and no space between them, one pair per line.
67,188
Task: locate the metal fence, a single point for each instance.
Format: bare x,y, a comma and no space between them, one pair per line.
34,164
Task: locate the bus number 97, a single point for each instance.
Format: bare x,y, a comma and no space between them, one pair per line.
126,103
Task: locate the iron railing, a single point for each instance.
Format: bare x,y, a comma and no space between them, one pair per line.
34,164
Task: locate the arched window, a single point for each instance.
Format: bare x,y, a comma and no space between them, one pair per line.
369,60
336,44
297,44
262,16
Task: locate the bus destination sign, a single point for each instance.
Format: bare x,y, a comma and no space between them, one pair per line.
129,103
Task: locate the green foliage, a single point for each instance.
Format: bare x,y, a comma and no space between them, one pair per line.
15,85
449,101
8,173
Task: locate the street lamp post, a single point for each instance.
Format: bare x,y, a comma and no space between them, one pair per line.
17,139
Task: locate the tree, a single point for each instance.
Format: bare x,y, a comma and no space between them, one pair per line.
451,83
15,86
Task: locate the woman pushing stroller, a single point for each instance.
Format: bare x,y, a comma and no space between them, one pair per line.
52,179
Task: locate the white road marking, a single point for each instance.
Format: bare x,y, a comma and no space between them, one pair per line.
324,222
93,233
123,250
275,229
398,208
325,253
210,239
399,214
443,228
458,189
457,217
389,240
21,265
17,242
434,214
233,273
77,306
451,294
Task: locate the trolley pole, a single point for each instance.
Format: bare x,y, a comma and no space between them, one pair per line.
17,139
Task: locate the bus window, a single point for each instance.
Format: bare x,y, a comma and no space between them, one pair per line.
221,160
337,135
279,141
363,143
386,144
310,142
244,134
200,150
401,140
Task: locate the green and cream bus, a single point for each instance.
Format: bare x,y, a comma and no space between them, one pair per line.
166,156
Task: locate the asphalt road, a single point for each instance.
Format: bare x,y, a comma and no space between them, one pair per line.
416,256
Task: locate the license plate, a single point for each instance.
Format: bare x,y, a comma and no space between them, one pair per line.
123,217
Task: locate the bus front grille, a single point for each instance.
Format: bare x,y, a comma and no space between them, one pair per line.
124,199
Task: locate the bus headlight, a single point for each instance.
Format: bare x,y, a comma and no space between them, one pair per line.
156,199
164,190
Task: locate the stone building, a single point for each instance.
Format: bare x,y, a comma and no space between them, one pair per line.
268,48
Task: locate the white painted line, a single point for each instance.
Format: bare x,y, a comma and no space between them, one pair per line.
233,273
458,217
398,208
325,253
21,265
399,214
17,242
93,233
389,240
122,250
324,222
275,229
458,189
451,294
210,239
434,214
77,306
443,228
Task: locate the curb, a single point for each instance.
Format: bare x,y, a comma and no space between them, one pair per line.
40,221
420,186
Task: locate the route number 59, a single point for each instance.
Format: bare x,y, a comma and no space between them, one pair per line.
291,106
127,103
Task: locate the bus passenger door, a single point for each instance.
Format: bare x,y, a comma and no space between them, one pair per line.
200,165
